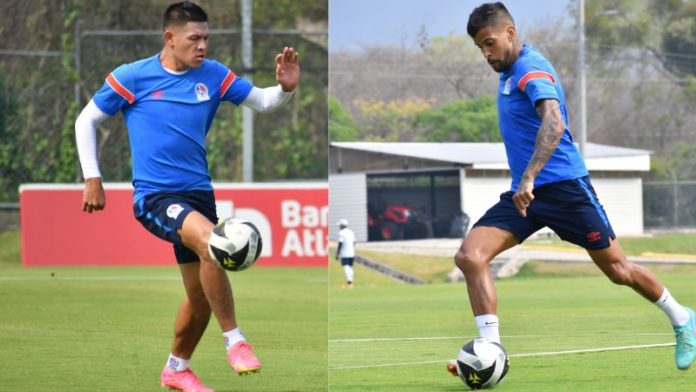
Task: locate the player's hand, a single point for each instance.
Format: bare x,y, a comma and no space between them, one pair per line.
523,196
93,198
288,69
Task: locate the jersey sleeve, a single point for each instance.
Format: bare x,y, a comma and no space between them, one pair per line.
117,92
234,88
538,83
341,237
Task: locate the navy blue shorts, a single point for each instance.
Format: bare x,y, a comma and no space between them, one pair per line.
569,208
347,261
163,213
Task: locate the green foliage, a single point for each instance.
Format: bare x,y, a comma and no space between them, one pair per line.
680,164
610,25
9,135
38,95
274,13
664,29
473,120
10,249
342,128
389,121
679,40
67,169
224,144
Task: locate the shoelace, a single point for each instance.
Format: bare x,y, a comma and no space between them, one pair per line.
245,351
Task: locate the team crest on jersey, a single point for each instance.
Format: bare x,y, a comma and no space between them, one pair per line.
202,92
174,210
507,87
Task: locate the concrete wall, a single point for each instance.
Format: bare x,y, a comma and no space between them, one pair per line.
348,200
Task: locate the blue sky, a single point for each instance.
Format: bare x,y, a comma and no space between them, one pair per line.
355,23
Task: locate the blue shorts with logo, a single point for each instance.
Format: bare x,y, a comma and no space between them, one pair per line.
163,213
569,208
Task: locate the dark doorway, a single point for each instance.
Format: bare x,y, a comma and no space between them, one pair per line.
413,205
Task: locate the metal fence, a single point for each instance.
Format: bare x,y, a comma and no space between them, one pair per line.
669,204
41,126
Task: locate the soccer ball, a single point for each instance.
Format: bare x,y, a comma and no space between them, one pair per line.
482,363
234,244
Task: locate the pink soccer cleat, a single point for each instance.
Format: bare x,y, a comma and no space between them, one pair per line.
242,359
186,381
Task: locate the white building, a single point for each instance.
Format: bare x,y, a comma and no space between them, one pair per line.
440,179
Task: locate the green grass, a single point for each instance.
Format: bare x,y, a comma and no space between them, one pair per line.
433,269
538,314
110,329
662,243
10,249
549,269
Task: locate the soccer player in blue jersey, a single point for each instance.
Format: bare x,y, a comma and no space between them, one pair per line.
550,184
168,101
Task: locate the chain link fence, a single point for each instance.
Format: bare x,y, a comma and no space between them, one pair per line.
669,204
43,91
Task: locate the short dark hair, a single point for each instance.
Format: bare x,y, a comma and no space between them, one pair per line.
485,15
182,12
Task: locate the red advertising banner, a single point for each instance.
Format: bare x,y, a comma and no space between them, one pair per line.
292,219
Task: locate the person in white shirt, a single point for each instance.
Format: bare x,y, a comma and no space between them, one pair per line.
346,251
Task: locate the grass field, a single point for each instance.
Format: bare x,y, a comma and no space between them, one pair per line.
110,329
389,336
676,243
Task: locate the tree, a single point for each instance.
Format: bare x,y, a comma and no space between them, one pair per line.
459,62
473,120
342,128
9,134
389,120
679,39
42,88
663,31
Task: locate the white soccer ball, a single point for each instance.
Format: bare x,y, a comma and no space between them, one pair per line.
235,244
482,363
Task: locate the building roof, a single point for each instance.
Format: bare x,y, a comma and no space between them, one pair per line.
492,155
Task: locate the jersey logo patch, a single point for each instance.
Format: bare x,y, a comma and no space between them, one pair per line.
594,236
507,87
174,210
202,92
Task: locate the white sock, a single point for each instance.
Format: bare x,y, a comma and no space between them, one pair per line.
233,337
676,313
177,364
488,326
348,272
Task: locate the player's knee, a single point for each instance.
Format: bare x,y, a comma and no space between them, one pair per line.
468,260
195,236
201,247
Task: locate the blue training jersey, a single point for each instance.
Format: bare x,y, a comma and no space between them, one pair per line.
168,117
530,79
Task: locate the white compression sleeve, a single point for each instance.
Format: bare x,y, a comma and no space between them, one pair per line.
266,100
86,137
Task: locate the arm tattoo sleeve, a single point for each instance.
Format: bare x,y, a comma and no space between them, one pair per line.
548,136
